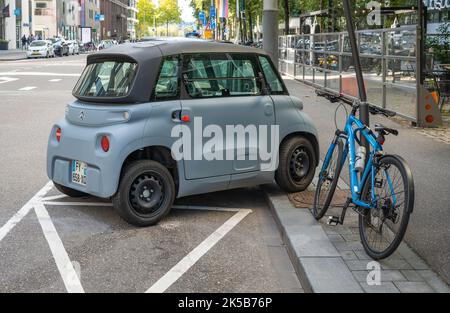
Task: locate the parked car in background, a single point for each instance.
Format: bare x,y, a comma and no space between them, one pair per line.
61,48
81,48
73,47
105,44
40,49
117,139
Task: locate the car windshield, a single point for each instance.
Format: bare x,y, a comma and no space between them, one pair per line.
38,44
106,79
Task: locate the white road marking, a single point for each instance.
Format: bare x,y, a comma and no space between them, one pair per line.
55,80
50,198
65,266
7,79
188,261
206,208
38,74
77,203
27,88
16,218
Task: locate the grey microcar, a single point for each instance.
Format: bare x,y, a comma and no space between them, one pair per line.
154,121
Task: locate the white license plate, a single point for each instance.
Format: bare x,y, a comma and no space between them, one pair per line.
79,172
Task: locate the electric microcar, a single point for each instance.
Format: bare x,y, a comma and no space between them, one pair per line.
163,119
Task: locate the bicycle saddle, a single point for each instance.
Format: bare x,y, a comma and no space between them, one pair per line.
385,130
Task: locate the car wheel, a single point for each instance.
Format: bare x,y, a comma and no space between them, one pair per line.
146,193
297,164
47,55
69,191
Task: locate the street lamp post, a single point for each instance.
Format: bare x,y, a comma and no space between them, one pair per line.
270,29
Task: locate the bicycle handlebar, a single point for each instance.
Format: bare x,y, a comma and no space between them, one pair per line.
373,110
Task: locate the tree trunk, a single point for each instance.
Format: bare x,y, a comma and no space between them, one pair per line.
286,17
167,28
250,25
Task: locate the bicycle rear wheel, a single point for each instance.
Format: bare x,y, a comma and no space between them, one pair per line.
328,179
382,227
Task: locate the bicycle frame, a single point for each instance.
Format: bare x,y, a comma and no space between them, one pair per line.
356,184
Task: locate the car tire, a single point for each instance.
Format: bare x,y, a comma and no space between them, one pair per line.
143,179
69,191
297,164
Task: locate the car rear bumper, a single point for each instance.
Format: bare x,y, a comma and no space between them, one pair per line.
103,168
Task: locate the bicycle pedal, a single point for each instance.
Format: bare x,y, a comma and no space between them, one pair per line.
333,220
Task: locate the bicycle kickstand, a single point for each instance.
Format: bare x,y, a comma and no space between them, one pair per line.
336,220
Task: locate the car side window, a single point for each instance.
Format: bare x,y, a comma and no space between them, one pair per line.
221,75
167,85
276,87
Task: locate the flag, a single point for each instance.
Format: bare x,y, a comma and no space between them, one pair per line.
222,8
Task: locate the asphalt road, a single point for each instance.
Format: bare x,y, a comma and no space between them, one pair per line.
44,245
428,231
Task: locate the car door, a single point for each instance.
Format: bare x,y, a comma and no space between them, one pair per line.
225,103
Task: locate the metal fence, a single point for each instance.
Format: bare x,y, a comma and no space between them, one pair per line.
388,59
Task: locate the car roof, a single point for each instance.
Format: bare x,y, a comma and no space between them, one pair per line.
155,47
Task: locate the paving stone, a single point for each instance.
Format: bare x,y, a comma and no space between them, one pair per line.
385,287
329,275
385,275
350,237
412,258
348,255
434,281
357,265
412,275
413,286
394,264
335,238
311,241
361,254
347,246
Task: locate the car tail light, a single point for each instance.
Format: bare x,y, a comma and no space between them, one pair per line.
58,134
105,143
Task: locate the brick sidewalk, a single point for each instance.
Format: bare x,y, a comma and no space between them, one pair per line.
404,271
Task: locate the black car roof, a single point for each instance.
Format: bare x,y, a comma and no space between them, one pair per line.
148,55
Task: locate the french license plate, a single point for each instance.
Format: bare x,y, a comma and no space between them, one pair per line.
79,172
35,53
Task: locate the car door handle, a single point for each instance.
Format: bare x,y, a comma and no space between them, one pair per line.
268,109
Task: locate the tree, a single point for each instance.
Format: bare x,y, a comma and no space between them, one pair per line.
145,17
168,12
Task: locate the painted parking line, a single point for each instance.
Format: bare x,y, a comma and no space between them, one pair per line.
12,73
54,80
62,260
16,218
188,261
7,79
66,268
27,88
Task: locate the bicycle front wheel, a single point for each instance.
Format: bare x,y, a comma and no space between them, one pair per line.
383,226
328,179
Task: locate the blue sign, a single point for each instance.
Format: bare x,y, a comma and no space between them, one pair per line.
202,17
17,12
212,12
99,17
213,24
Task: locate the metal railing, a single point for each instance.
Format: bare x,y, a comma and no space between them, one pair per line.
388,59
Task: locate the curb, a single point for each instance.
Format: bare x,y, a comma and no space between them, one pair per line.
319,266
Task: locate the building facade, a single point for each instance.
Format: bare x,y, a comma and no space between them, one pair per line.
43,18
14,21
114,25
90,17
132,19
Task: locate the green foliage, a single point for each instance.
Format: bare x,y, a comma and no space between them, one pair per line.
145,17
439,44
168,11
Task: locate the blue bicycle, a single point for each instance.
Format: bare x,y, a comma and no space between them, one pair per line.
384,194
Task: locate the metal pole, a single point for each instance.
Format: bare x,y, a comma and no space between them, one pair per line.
270,29
364,106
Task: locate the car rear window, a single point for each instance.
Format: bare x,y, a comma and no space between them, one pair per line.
106,79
